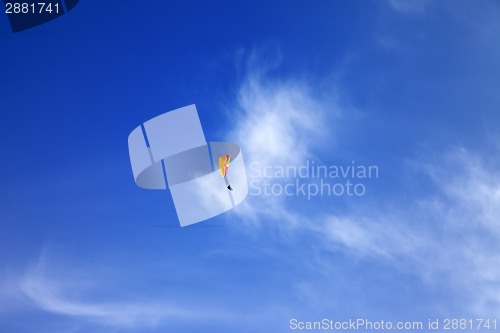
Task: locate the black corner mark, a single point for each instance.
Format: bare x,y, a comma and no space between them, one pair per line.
26,14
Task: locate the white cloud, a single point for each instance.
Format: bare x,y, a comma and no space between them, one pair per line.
279,122
54,290
366,236
457,244
448,238
474,191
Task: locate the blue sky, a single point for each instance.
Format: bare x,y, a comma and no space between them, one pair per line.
411,87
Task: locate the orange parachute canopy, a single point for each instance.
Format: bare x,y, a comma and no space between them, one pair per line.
224,164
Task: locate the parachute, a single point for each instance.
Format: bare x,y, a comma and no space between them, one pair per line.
224,161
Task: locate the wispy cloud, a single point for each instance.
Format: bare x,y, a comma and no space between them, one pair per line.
55,290
279,121
472,190
449,236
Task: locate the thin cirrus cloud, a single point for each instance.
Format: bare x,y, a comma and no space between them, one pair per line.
50,290
278,122
450,237
447,237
